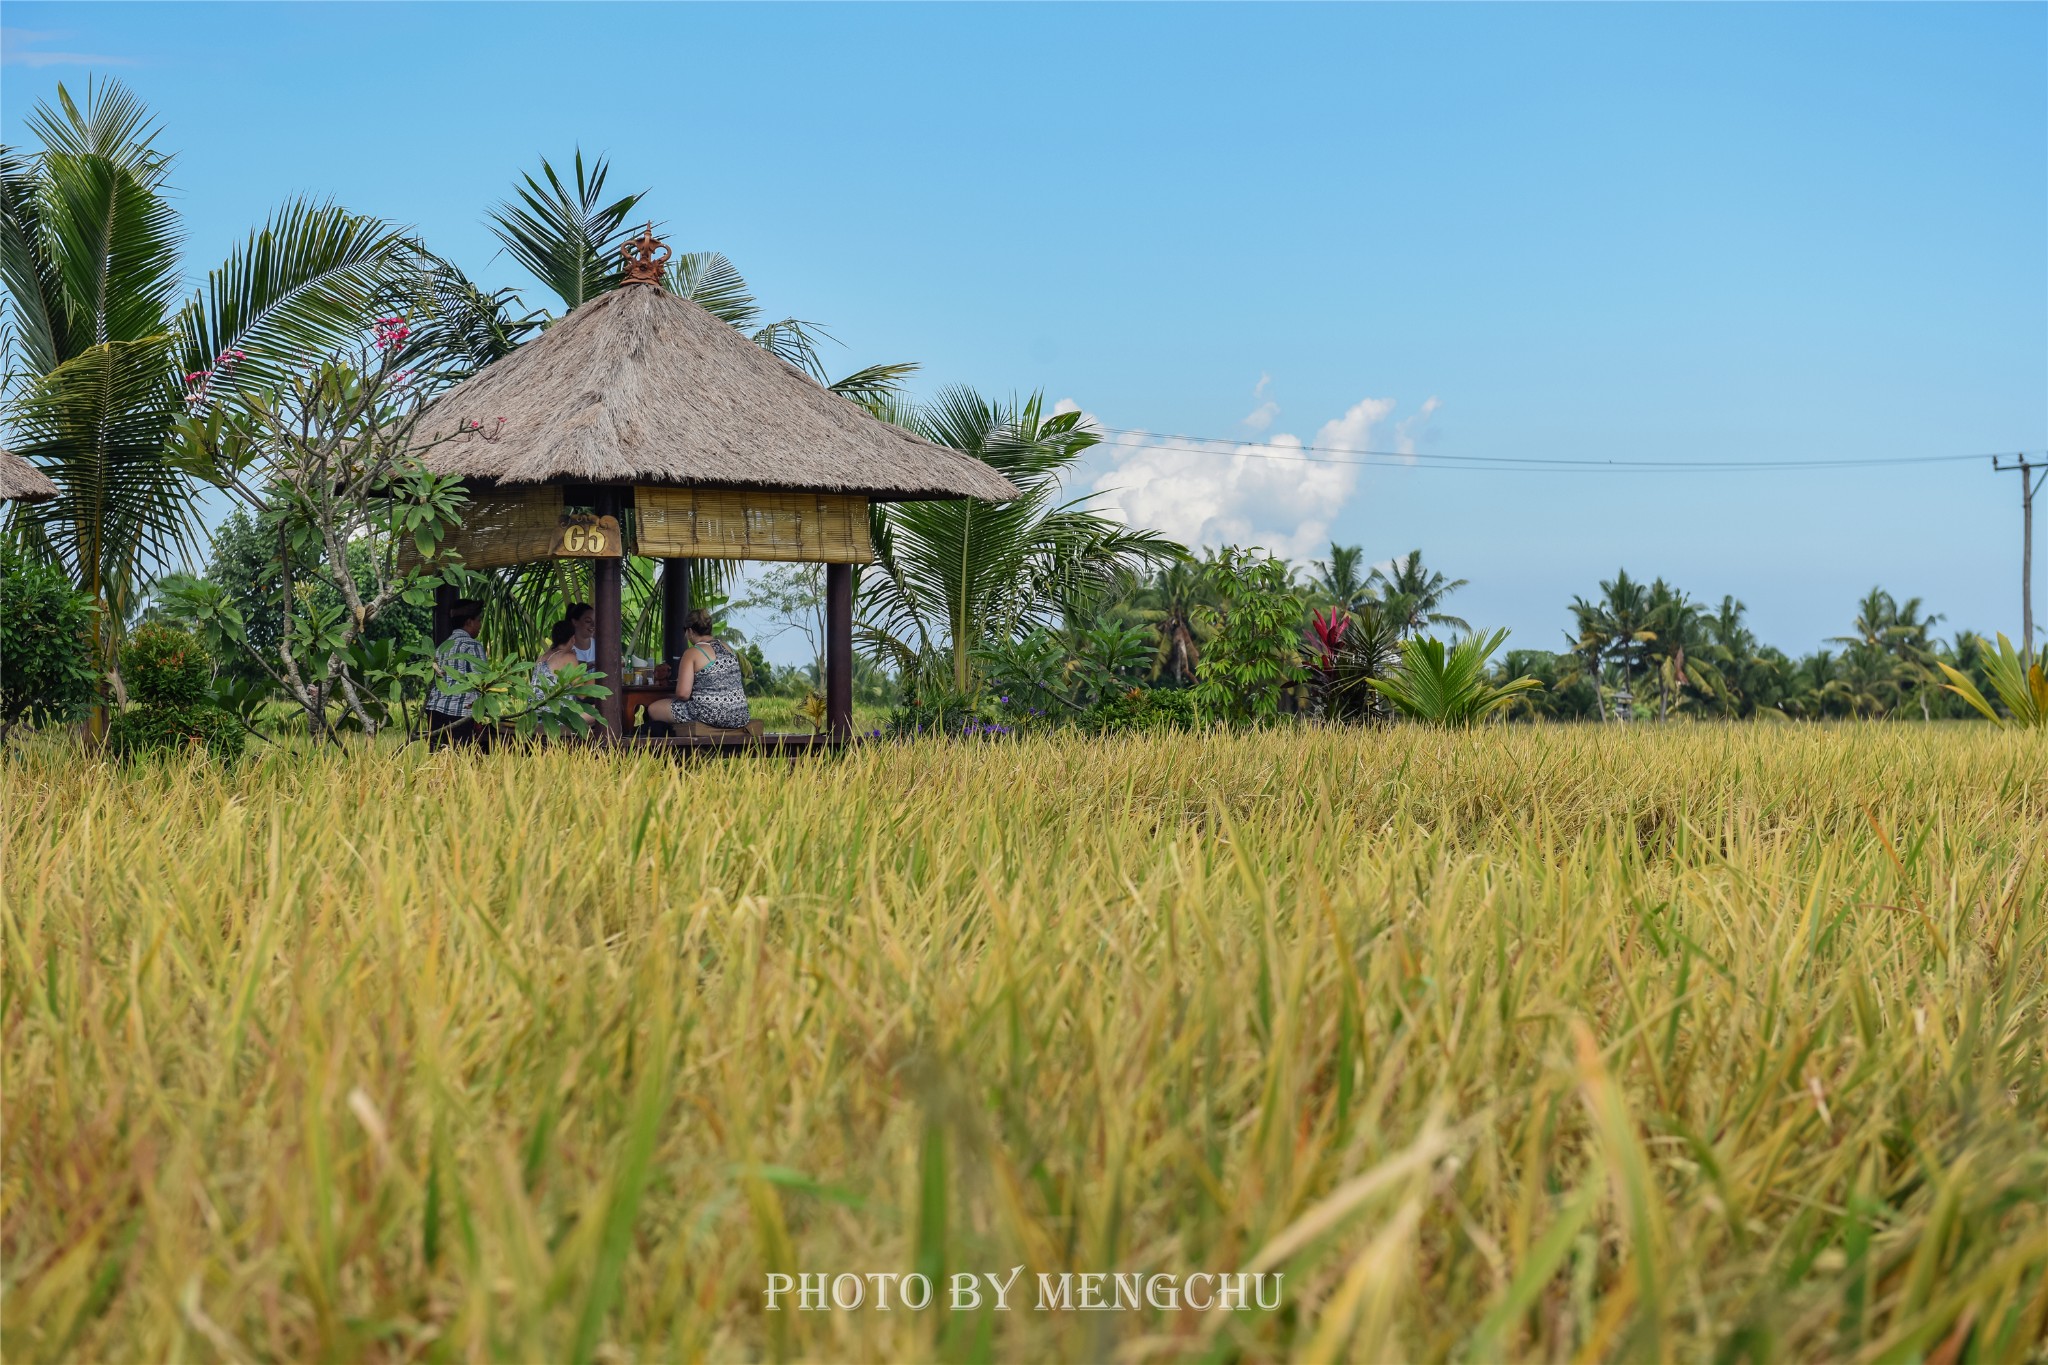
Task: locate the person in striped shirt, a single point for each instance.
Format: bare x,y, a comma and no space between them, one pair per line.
448,713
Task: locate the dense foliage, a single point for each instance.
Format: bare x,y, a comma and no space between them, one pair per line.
169,676
46,672
1254,648
247,563
89,243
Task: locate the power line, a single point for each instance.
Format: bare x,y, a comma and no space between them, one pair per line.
1383,459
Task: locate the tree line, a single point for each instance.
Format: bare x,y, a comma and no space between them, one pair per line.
290,383
1632,650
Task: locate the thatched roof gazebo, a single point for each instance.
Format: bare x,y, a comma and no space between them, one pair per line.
684,441
21,481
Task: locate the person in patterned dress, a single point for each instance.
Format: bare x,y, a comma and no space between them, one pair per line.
708,687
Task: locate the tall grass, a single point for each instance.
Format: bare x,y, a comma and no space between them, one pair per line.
1596,1043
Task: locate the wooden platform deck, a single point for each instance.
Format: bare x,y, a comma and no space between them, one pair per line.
772,745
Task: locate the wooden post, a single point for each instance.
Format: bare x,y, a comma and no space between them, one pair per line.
839,650
606,597
675,606
2028,487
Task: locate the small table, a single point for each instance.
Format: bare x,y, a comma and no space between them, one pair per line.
637,697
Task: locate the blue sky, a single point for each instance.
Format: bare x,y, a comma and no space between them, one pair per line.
1614,232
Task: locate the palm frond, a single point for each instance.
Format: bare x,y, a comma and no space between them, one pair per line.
462,324
876,385
113,244
115,125
795,342
713,283
305,284
35,290
566,237
97,426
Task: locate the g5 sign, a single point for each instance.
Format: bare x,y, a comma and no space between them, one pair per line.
588,537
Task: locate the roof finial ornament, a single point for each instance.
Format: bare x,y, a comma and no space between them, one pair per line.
644,257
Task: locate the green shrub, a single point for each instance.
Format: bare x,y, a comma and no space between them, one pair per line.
169,677
46,672
945,714
141,731
1254,656
1146,711
164,666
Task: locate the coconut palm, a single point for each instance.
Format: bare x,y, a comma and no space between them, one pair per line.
1173,601
1898,630
1865,682
1680,653
567,232
1732,646
2021,684
1619,628
1448,686
1414,593
89,256
1343,579
950,577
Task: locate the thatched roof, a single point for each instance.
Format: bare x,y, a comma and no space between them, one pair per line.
638,386
21,481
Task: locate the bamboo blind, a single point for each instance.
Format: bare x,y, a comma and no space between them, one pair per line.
723,523
503,526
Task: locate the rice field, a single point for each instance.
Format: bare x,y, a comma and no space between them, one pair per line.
1687,1043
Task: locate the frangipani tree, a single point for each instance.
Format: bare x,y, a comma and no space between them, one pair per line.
103,360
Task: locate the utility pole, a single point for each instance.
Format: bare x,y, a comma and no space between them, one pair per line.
2029,485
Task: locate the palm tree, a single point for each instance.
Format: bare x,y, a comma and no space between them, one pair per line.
1732,646
2021,684
567,233
1588,642
1898,630
1866,683
1415,593
1173,601
1342,579
1619,628
1450,687
954,576
89,257
1680,627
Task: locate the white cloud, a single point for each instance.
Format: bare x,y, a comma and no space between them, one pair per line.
1411,426
1252,494
1262,416
1273,492
17,49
